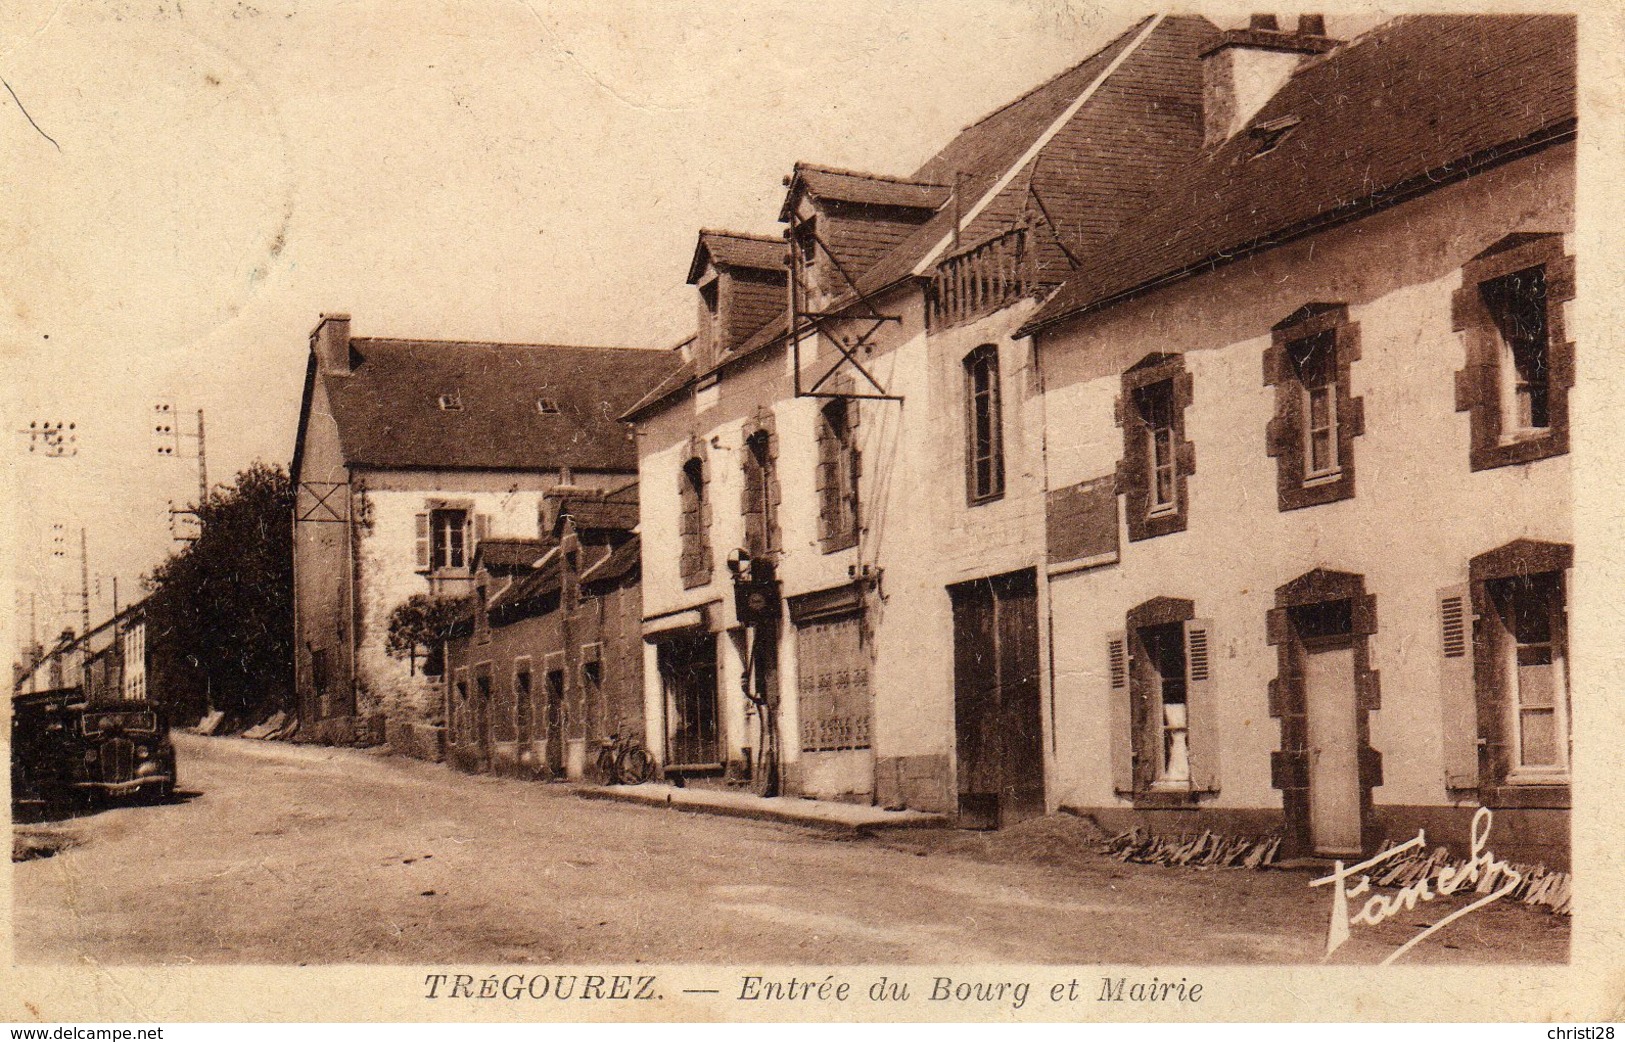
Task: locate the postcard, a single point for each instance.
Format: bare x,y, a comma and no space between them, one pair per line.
1006,511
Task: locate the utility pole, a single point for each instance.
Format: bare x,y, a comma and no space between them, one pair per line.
202,465
84,579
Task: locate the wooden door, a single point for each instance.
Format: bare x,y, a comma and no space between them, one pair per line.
1334,760
482,716
833,708
554,750
997,716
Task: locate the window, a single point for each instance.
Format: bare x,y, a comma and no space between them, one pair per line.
523,707
448,534
1532,669
761,494
450,403
1517,308
984,448
547,406
1156,407
1316,419
1504,676
807,240
318,670
694,563
1519,364
1165,650
1163,709
1157,459
1314,363
838,463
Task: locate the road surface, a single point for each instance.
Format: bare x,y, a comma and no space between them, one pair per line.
303,855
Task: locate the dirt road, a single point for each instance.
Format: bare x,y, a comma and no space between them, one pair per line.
295,854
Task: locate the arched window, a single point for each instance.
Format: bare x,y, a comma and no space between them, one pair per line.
984,429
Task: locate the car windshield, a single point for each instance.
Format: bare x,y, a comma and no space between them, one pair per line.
127,720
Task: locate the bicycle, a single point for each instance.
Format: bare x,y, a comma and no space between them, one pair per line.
624,761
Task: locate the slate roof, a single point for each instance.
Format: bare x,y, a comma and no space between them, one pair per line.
595,510
622,562
852,186
389,416
508,556
1414,104
1099,169
737,250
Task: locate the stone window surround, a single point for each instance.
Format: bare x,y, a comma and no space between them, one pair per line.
1133,477
1478,384
763,423
1522,557
1284,436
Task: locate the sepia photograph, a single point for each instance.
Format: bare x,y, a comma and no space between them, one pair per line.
925,510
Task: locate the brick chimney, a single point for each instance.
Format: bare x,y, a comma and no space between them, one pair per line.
1247,66
331,342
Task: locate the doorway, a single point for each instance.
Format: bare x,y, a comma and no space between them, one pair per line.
997,716
688,675
1324,693
1330,705
482,715
553,750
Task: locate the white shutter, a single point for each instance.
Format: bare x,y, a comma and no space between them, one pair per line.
423,542
1458,700
1119,713
1201,706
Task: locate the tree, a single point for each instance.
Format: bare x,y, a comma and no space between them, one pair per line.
220,611
419,625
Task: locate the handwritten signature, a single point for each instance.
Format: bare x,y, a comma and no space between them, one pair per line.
1441,883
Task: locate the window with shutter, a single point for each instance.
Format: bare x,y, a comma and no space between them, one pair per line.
759,501
838,471
422,542
1202,707
448,540
1457,699
693,521
1119,713
1520,673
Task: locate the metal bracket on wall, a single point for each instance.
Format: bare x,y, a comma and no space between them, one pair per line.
318,503
803,319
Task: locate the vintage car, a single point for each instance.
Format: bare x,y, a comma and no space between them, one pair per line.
64,747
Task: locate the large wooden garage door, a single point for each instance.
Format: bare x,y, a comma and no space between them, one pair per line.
999,734
833,685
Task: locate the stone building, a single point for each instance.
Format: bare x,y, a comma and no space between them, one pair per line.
548,661
886,457
410,453
1306,456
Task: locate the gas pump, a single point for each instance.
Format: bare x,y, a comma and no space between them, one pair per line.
756,605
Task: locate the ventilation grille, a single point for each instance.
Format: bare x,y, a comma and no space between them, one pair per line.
1198,655
1455,627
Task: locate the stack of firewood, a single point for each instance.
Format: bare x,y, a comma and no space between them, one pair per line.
1537,885
1208,850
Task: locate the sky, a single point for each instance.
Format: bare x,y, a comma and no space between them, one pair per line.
188,184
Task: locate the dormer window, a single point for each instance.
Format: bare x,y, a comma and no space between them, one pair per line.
1270,135
547,406
451,403
807,240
